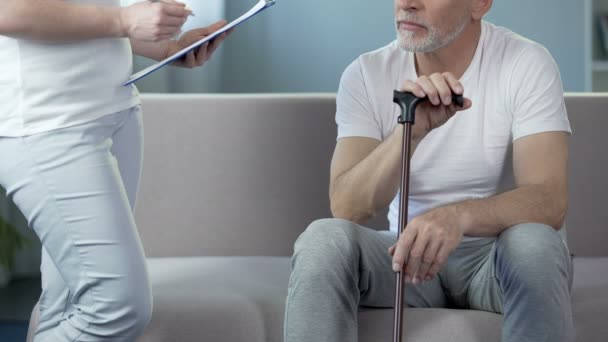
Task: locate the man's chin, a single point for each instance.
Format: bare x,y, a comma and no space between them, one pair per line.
409,41
410,46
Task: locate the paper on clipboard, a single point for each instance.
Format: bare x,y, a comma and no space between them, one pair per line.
257,8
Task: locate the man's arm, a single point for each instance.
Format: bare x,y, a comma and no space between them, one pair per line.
63,21
541,174
364,176
541,196
365,173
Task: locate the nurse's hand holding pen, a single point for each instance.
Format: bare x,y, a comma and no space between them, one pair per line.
151,33
153,21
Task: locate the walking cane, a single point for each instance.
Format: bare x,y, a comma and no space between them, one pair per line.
408,103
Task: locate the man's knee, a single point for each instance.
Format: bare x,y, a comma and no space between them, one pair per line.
531,253
324,245
327,234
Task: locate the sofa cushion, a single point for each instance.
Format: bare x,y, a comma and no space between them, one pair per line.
431,325
590,299
217,299
242,299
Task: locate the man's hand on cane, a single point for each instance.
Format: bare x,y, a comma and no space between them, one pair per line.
429,239
440,107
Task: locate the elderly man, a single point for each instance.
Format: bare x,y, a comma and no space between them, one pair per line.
466,244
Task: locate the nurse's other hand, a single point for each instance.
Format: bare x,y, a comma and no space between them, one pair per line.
153,21
203,53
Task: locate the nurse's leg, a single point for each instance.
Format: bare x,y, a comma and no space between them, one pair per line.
127,149
68,185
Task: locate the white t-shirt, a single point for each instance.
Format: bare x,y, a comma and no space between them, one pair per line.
516,91
50,85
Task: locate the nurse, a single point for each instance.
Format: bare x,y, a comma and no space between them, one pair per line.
71,151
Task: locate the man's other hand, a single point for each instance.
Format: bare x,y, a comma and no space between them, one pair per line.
426,243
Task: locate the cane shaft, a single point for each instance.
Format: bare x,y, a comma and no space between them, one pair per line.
408,102
403,213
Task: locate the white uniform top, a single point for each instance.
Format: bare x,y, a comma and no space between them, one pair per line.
50,85
516,91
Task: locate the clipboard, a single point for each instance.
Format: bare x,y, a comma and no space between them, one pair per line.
260,6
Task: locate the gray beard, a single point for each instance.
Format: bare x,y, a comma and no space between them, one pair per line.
432,42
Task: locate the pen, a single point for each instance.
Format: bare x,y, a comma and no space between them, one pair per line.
187,8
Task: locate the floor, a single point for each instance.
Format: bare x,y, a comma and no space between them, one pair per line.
13,332
16,303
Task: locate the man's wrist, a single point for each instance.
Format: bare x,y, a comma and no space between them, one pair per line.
464,215
417,137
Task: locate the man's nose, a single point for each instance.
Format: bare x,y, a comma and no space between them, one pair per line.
409,4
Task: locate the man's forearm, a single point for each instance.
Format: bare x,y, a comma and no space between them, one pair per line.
371,184
58,20
530,203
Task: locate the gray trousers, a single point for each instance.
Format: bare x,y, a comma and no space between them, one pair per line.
77,187
525,273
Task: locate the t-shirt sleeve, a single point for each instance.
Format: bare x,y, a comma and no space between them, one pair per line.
536,94
354,112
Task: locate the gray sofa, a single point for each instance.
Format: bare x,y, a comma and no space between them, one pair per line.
230,181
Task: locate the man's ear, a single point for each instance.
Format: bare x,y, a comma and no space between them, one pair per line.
480,8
